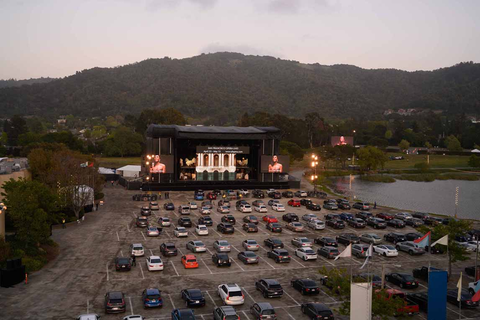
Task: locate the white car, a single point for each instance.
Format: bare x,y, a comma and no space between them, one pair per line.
201,230
470,246
154,206
223,209
244,192
309,216
90,316
316,224
193,205
403,216
306,253
134,317
250,245
245,208
153,232
196,246
231,294
164,221
154,263
385,250
472,286
261,208
301,193
278,207
137,249
205,211
180,232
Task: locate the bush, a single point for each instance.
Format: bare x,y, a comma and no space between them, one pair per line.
422,167
377,178
34,264
474,161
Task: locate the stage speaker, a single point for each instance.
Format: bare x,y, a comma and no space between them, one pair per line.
12,277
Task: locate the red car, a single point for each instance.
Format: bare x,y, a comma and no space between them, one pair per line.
294,203
385,216
211,196
189,261
409,308
269,219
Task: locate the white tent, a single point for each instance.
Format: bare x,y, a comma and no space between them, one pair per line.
129,171
475,151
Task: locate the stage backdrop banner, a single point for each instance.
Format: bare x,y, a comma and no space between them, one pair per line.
437,295
275,164
223,149
361,301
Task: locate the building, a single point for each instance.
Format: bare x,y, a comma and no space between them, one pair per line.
192,157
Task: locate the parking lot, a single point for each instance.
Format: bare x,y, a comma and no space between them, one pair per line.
78,279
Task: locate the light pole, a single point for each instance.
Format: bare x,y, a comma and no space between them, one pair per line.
3,209
314,166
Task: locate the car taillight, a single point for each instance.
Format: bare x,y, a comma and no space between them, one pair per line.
307,289
227,298
109,304
468,302
409,283
118,266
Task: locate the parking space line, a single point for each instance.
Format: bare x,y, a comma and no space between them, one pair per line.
108,278
267,262
294,256
121,253
237,264
288,313
88,306
171,300
264,249
181,251
207,267
193,234
249,295
208,294
209,251
291,297
326,260
128,228
174,268
168,235
292,248
234,247
213,229
118,237
176,215
131,306
202,317
141,269
240,232
151,252
143,235
248,318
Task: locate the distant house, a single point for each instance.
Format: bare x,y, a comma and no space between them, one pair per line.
388,112
62,120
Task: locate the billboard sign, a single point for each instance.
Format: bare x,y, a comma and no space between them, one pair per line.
437,295
223,149
361,301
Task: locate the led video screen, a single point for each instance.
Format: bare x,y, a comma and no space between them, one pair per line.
275,164
160,164
341,141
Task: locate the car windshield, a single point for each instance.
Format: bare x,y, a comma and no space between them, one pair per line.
235,294
123,260
304,240
196,294
375,236
155,261
390,247
250,254
408,277
309,283
203,228
191,260
334,250
268,311
137,248
252,242
296,224
223,243
153,296
170,246
166,219
276,241
276,225
116,300
309,251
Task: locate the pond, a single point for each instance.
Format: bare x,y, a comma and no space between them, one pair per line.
433,197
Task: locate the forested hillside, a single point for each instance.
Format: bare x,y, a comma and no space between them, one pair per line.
218,88
19,83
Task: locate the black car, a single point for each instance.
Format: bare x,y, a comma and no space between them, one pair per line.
275,195
396,223
185,222
221,260
141,222
465,299
471,270
225,313
207,221
305,286
364,215
413,236
229,219
356,223
250,227
169,206
336,224
287,194
422,272
317,311
394,237
420,215
263,310
290,217
193,297
419,298
168,249
326,241
259,194
274,227
248,257
114,302
225,228
183,314
367,277
304,202
313,206
348,238
273,243
279,255
270,288
122,264
328,252
376,223
250,219
403,280
332,216
414,222
432,221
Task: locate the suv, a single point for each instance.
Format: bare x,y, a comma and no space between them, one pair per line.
279,255
263,310
168,249
122,263
361,206
258,194
290,217
184,209
335,223
225,313
207,221
142,222
343,204
287,194
228,219
365,215
360,250
348,238
273,243
225,228
221,260
231,294
185,222
376,223
114,302
294,203
270,288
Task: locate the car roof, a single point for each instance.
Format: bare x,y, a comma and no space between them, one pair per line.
264,305
155,257
228,310
137,245
271,281
115,295
190,256
153,291
233,286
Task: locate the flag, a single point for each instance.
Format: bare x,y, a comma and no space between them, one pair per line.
476,296
368,255
423,241
90,164
443,240
345,253
459,286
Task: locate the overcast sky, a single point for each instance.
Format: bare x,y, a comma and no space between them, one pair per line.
55,38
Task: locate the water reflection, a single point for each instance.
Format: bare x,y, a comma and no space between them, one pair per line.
435,197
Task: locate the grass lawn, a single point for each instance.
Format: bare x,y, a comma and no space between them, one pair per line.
436,161
113,162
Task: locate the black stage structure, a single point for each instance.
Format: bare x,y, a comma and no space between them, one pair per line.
212,157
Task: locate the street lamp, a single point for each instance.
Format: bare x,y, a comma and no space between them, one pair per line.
314,166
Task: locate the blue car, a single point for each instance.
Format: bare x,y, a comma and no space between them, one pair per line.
183,314
199,195
345,216
152,298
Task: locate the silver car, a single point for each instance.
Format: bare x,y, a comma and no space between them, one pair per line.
316,224
370,238
410,247
196,246
403,216
222,246
164,221
309,216
302,242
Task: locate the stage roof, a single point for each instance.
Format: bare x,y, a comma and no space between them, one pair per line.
212,132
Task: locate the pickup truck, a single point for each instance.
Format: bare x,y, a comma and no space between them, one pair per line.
422,272
409,308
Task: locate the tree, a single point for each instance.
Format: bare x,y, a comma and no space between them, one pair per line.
159,116
428,145
404,145
15,127
28,138
370,158
124,142
388,134
453,144
474,161
453,228
31,207
292,149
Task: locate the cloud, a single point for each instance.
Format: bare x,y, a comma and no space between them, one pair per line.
240,48
297,6
154,5
284,6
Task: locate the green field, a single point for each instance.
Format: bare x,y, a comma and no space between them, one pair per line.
111,162
436,161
